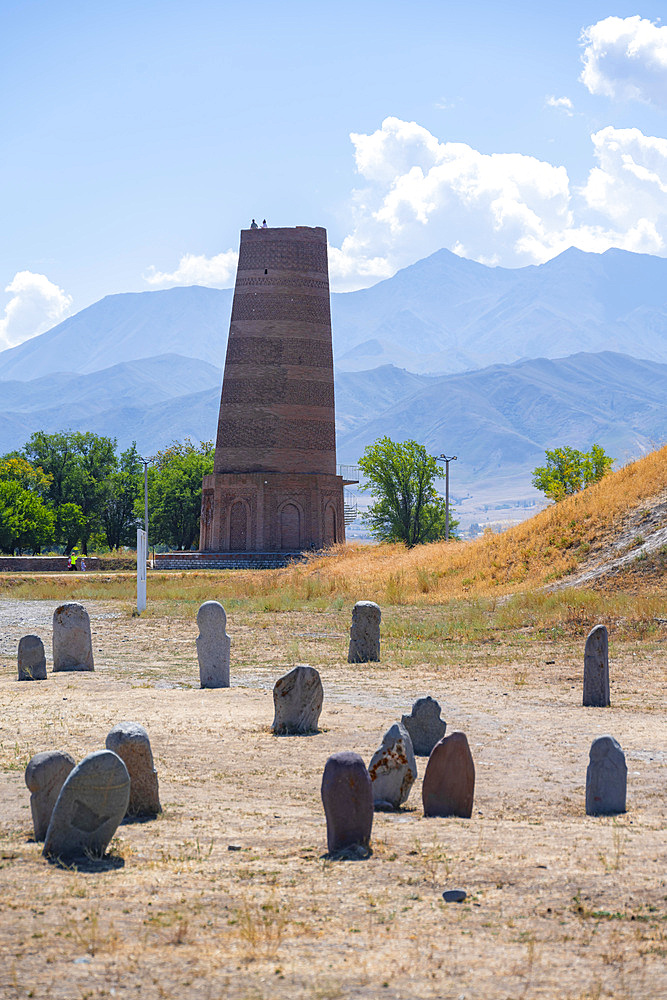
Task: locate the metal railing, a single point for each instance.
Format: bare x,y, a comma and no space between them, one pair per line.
350,472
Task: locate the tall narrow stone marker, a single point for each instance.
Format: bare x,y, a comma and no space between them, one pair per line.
213,645
347,797
596,668
31,659
449,781
365,633
72,642
45,775
606,778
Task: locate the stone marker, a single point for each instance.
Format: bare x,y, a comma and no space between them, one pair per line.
44,776
454,895
449,781
596,668
365,633
424,725
31,659
91,804
347,797
393,769
213,645
72,643
130,741
297,698
606,778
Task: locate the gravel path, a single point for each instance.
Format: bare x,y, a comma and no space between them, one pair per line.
19,618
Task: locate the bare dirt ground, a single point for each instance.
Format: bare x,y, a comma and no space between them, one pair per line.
559,904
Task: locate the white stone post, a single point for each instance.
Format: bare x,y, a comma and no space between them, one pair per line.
142,554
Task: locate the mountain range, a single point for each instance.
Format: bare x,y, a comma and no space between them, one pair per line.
499,419
441,315
491,363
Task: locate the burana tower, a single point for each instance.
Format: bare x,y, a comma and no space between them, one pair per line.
274,488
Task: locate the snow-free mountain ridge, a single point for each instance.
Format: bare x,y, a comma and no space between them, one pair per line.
443,314
499,419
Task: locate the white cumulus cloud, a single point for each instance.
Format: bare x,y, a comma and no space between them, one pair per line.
36,305
561,103
193,269
626,57
420,194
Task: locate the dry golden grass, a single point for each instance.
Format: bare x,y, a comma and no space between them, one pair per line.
543,549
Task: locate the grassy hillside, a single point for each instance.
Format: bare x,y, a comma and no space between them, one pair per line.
552,548
546,548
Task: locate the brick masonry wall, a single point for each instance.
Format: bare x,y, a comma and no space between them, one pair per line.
33,564
221,560
274,487
277,405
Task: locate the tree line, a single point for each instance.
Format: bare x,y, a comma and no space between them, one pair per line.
75,490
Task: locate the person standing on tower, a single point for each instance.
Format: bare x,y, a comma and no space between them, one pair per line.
253,225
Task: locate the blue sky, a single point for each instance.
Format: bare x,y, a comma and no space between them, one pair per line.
138,138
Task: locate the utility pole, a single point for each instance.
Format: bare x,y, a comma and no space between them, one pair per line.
446,459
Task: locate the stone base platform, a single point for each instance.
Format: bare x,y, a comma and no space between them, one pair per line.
226,560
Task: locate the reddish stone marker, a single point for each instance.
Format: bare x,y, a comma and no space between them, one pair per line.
449,781
347,797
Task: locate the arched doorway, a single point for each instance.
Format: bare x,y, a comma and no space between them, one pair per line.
330,532
290,527
238,527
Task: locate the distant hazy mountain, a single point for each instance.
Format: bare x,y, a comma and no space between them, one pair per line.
502,418
447,314
190,321
443,314
125,402
497,420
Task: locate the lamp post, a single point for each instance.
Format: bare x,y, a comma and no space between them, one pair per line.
446,459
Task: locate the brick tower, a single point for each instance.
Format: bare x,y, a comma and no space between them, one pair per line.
274,487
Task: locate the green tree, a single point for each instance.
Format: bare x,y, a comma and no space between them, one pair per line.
79,465
174,492
26,519
70,522
568,471
124,489
401,477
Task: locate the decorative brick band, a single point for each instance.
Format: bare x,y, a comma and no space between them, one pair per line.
287,255
278,351
285,281
274,306
266,389
263,433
